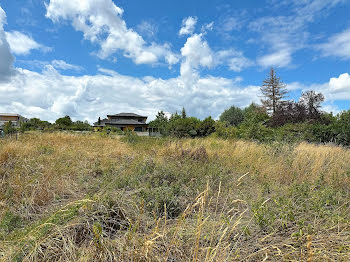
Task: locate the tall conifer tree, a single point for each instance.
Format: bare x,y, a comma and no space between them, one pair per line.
273,90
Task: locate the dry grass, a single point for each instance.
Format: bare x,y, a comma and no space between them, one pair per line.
73,197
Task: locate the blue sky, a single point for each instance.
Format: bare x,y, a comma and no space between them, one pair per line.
96,57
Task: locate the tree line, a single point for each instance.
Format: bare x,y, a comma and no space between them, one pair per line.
276,119
62,123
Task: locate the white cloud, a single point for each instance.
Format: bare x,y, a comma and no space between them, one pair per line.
60,64
337,88
232,24
282,36
281,58
196,53
22,44
337,45
6,61
101,22
148,29
49,95
188,26
235,60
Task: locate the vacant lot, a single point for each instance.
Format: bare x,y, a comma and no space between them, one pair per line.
71,197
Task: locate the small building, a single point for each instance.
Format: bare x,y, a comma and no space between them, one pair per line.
15,119
124,121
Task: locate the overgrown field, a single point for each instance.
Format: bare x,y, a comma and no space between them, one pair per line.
74,197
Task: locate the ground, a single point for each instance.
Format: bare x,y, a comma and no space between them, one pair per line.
95,197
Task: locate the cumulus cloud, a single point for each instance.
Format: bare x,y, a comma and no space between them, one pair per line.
22,44
188,26
337,45
101,22
6,61
197,53
337,88
49,94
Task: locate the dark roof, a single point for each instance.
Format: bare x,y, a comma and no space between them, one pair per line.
120,122
128,115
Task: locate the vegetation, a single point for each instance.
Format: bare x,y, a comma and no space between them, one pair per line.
274,90
95,197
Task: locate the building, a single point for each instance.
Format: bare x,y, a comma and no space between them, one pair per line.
15,119
124,121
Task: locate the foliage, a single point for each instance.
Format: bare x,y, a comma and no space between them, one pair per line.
172,199
234,116
274,90
160,121
35,124
8,128
184,127
64,122
183,113
206,127
225,131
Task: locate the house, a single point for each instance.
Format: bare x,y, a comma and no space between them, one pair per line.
15,119
124,121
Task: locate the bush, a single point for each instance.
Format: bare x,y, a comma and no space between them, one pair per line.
222,130
184,127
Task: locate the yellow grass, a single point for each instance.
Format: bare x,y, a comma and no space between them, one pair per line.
76,197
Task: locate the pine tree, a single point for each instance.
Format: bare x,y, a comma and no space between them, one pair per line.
183,113
274,90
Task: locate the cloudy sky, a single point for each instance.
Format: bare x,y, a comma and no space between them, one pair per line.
90,58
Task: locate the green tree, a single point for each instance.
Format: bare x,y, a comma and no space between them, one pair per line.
184,127
161,120
64,122
233,116
183,113
206,127
8,128
273,90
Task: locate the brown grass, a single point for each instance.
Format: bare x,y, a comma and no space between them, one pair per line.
74,197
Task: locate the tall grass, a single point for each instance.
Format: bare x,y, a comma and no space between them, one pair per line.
73,197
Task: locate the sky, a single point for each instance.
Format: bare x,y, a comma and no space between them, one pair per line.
90,58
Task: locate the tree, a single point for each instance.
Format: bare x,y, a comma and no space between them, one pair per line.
233,116
99,121
64,122
312,102
274,90
8,128
160,121
206,127
183,113
184,127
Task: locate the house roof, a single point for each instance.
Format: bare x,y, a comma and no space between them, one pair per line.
120,122
9,114
127,115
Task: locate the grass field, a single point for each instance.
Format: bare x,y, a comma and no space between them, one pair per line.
75,197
